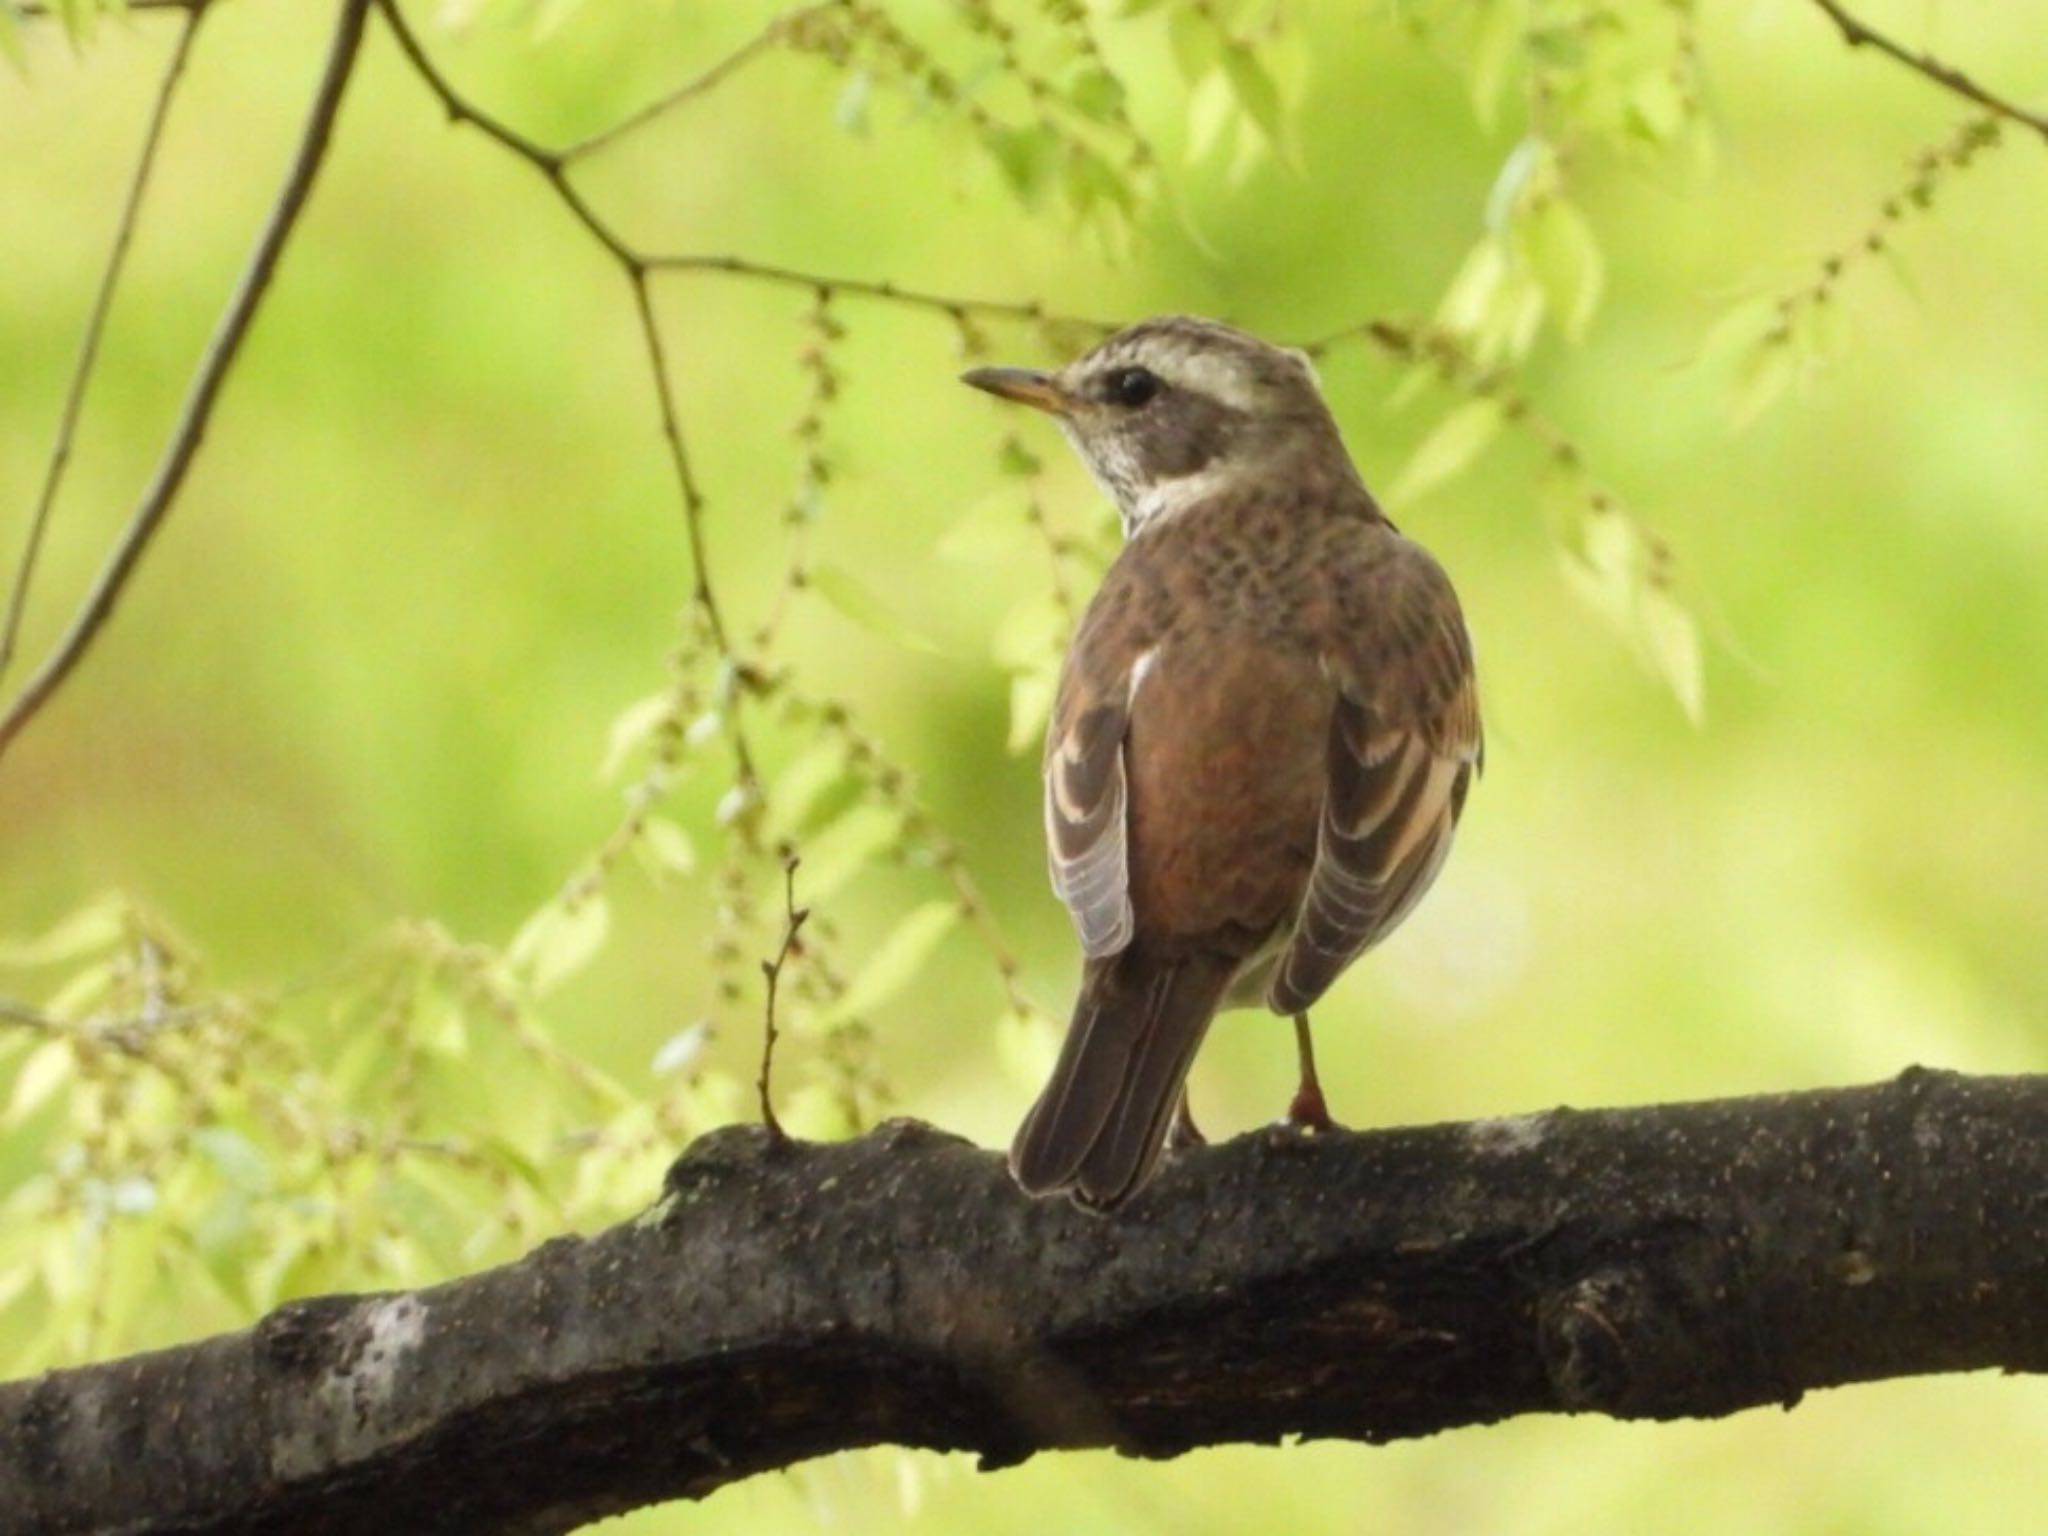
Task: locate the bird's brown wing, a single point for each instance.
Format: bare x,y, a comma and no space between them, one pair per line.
1086,797
1404,745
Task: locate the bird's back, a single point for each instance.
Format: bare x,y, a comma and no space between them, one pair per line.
1220,610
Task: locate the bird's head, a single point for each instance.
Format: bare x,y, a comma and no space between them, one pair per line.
1171,410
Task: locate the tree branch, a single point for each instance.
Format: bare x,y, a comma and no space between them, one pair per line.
789,1299
95,329
777,30
214,366
43,10
1857,34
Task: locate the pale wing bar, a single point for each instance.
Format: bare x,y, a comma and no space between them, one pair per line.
1087,848
1404,744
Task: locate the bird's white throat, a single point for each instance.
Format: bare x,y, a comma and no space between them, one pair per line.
1163,500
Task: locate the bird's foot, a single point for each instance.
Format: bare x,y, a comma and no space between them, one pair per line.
1308,1111
1184,1135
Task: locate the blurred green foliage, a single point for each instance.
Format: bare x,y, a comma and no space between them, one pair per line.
390,887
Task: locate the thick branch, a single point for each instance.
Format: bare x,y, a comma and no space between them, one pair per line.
214,367
1858,34
788,1299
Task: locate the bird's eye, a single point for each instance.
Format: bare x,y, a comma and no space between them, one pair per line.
1132,387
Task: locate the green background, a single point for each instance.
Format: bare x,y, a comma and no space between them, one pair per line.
431,551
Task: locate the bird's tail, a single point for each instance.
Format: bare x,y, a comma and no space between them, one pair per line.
1099,1126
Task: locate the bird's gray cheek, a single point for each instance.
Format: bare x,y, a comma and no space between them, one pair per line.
1180,448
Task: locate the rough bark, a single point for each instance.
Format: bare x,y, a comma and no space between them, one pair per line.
786,1299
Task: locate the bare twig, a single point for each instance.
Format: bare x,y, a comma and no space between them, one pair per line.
776,31
1857,33
951,305
553,166
95,329
679,459
214,367
792,929
40,10
14,1012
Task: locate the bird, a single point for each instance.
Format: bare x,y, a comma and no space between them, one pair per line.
1263,736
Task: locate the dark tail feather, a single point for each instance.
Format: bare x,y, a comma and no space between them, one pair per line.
1101,1123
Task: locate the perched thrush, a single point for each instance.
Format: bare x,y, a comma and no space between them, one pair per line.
1262,740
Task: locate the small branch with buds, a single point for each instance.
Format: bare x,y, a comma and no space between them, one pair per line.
792,946
1858,34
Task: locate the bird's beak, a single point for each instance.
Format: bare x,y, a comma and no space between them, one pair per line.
1025,385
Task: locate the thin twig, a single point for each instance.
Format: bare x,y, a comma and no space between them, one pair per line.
911,298
95,329
39,10
793,924
553,164
1857,33
13,1012
777,29
221,352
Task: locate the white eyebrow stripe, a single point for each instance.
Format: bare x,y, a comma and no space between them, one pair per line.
1213,374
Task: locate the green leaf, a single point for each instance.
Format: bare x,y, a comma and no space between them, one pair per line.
235,1158
1013,458
1448,450
1530,163
558,941
630,729
444,1032
1765,374
1092,182
1029,633
1672,637
1212,109
845,848
668,845
1031,699
843,590
681,1049
798,788
1737,330
1096,94
1469,301
817,1112
1496,45
16,1278
894,964
992,532
1196,47
10,40
1655,110
1566,255
84,991
1255,90
850,112
100,925
47,1069
76,16
1028,157
1026,1046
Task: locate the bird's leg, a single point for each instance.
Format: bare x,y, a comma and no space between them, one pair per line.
1308,1112
1184,1133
